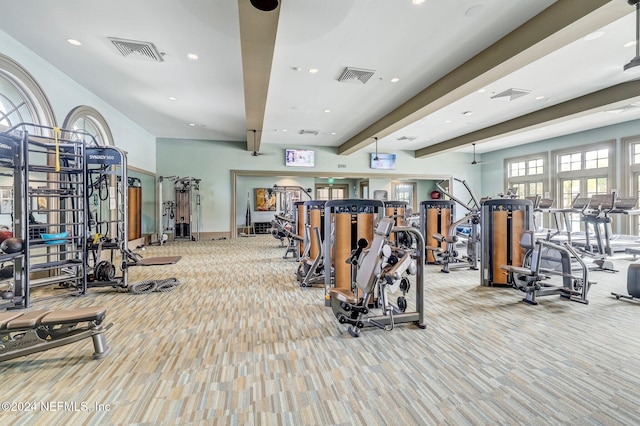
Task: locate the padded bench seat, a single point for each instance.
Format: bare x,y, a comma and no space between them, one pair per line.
19,320
69,316
343,295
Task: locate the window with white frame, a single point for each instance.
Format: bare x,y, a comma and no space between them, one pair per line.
21,98
582,172
631,180
90,125
527,175
405,191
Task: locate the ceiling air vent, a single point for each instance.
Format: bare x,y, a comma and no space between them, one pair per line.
406,138
355,75
309,132
139,49
511,94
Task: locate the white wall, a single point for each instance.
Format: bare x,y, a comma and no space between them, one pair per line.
212,162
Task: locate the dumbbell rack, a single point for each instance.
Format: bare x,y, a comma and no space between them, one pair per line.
51,184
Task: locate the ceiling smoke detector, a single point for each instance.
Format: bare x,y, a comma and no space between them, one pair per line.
137,49
511,94
355,75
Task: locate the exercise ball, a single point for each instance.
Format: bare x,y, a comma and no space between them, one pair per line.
435,195
12,245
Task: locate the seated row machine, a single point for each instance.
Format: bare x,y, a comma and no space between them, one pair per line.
532,277
375,272
23,333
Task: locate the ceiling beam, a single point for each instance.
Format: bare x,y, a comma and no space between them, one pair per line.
560,24
257,40
598,101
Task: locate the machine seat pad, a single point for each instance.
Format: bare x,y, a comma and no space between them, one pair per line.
6,317
154,261
435,249
517,270
343,295
27,320
72,316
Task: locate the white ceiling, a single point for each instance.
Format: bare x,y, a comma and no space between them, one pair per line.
418,44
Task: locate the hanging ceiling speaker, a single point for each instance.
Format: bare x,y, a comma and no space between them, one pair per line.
265,5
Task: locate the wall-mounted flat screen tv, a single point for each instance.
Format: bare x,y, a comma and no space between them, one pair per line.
384,161
299,158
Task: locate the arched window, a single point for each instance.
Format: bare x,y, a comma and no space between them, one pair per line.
21,98
89,120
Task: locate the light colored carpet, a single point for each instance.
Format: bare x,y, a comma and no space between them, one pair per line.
239,342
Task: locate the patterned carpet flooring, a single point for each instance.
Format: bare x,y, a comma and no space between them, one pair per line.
238,342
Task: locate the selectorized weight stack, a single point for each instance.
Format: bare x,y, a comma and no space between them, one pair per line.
395,210
436,217
503,222
311,217
351,220
311,226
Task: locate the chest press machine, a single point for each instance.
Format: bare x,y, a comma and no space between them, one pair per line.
375,272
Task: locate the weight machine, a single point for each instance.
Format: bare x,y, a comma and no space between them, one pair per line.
180,216
49,180
503,222
311,223
107,202
346,222
544,260
465,230
380,269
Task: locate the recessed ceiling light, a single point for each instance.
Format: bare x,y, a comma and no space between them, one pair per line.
416,2
327,110
539,97
313,70
448,121
173,98
630,43
284,130
594,35
482,90
333,133
192,124
192,56
395,80
74,42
